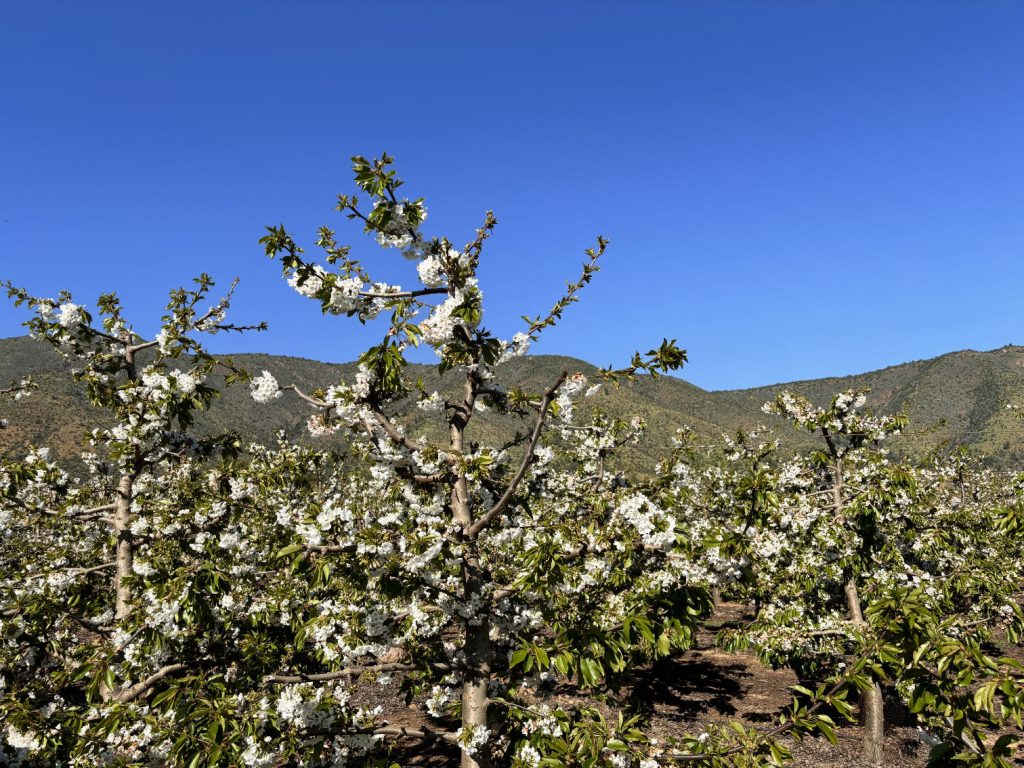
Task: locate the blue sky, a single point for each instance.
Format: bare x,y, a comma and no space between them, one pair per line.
791,189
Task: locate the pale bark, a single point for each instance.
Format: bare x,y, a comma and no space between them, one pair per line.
125,546
853,602
474,688
872,710
477,645
124,539
125,556
140,688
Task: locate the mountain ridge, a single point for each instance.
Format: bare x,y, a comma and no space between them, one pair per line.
957,397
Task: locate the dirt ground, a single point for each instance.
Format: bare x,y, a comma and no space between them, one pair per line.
683,694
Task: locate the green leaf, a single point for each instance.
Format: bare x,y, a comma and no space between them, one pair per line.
291,549
590,671
543,662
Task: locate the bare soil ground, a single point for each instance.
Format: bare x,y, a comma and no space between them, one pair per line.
684,694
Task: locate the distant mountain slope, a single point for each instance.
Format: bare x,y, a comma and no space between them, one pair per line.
959,397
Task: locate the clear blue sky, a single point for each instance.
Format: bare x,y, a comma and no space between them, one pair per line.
791,189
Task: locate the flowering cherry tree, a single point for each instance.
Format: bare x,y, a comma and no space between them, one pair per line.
853,552
81,637
499,614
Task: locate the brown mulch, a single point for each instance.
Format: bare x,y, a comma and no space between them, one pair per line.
684,694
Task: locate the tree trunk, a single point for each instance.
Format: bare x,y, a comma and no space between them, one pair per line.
125,552
125,556
872,712
478,639
124,544
872,709
474,689
853,602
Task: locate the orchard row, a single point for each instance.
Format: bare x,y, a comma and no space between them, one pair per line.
194,601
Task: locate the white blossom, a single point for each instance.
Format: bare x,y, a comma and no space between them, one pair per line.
265,388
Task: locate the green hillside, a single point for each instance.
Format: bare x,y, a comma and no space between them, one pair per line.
955,398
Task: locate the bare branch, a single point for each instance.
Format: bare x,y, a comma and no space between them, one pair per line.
323,677
72,571
302,395
144,345
93,569
394,731
93,513
501,504
328,548
392,431
415,733
135,691
404,294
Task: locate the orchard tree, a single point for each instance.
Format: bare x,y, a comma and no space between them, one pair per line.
78,639
865,490
497,559
484,573
901,566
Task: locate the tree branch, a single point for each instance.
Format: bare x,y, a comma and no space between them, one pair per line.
303,396
324,549
403,294
395,731
415,733
135,691
323,677
502,503
392,431
72,571
85,514
144,345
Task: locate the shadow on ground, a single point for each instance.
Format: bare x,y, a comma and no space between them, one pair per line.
687,689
